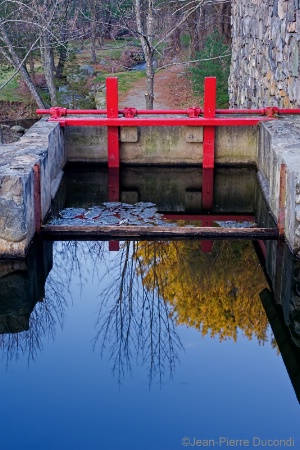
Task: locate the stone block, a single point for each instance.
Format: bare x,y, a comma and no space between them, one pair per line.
194,134
129,134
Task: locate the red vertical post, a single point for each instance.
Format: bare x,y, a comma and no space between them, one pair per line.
113,196
37,197
282,200
112,108
210,89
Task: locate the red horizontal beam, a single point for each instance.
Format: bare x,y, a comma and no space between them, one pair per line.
135,122
63,112
212,217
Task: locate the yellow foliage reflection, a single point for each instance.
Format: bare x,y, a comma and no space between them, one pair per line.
217,292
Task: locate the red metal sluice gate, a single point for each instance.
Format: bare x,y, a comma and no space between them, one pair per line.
209,117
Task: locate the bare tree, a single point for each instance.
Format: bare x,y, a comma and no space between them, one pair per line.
27,27
145,23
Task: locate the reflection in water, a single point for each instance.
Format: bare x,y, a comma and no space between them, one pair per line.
145,291
27,314
217,292
150,287
135,323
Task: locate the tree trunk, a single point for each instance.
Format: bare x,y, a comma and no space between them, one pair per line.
93,38
149,95
61,61
47,58
12,57
145,24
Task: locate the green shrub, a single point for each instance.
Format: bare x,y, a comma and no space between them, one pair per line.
213,63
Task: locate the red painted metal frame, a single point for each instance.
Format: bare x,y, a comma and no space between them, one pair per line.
209,131
112,131
160,121
282,200
210,217
37,196
270,111
190,117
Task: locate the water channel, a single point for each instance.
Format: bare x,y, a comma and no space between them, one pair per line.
154,345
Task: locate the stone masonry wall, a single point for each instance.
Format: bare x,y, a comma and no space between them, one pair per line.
265,54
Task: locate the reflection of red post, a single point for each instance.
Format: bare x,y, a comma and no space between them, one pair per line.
209,131
207,188
112,113
113,196
207,203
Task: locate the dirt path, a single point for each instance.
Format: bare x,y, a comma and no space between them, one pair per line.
172,90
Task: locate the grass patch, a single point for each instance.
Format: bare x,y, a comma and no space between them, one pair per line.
125,79
10,92
111,49
185,41
213,63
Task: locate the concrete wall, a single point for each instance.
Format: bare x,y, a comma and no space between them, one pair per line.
162,145
42,144
279,143
265,53
50,146
171,189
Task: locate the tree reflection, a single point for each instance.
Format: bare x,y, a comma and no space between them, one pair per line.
146,290
40,313
134,322
217,293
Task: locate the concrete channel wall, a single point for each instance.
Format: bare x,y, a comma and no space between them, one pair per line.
50,146
279,171
162,145
43,145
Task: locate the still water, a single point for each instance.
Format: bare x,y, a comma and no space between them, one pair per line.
159,345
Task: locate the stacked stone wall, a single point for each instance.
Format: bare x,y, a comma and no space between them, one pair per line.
265,54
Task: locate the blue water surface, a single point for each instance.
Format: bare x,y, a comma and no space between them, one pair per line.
66,395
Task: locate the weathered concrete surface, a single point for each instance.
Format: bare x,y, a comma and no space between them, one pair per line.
86,144
43,145
162,145
279,143
236,145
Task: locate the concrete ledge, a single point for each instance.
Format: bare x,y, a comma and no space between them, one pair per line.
279,143
162,145
42,144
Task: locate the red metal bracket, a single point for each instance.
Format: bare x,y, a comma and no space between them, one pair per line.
129,112
193,112
57,112
271,111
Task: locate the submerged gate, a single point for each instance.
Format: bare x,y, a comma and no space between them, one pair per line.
209,117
